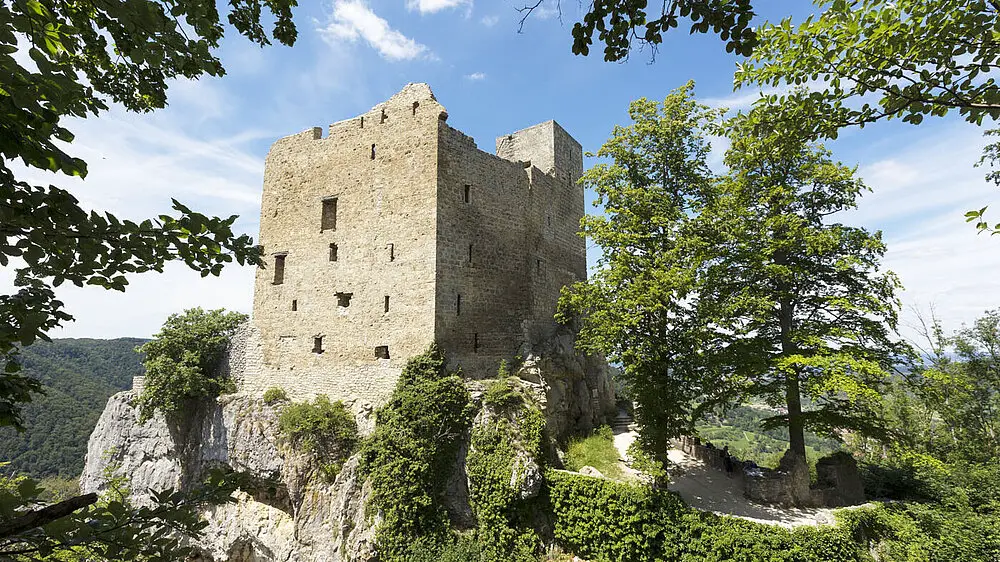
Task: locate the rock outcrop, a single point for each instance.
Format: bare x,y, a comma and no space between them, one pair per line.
307,519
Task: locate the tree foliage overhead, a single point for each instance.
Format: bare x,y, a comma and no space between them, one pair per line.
914,57
619,23
183,360
713,290
80,58
870,60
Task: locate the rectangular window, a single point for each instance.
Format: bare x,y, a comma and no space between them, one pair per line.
373,152
329,219
387,303
458,305
381,352
392,251
470,253
468,193
279,270
318,344
344,299
295,305
333,252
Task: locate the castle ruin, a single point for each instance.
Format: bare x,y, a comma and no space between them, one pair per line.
392,231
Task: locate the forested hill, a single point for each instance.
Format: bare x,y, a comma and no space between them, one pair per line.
79,376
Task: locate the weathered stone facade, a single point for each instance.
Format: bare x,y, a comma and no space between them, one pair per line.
394,231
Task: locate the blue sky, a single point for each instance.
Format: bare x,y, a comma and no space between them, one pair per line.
207,148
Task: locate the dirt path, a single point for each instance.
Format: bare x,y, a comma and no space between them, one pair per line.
708,489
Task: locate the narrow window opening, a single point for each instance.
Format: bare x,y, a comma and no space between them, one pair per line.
415,106
383,117
295,305
373,152
318,344
362,121
381,352
458,305
468,193
279,269
475,342
470,253
344,299
392,251
538,266
333,252
387,303
329,219
549,219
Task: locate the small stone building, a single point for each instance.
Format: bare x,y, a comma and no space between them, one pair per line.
392,230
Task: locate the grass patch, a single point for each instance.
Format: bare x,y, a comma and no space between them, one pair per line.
597,451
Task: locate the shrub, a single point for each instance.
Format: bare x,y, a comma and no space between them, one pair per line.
412,453
465,548
511,432
621,522
182,360
597,450
274,395
327,430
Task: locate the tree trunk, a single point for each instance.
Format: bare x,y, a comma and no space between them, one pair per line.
793,398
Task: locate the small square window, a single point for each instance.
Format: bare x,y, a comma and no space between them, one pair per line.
381,352
344,299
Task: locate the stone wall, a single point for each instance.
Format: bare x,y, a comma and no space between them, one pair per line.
838,481
507,242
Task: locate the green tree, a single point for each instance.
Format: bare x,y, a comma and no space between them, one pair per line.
84,56
798,306
635,307
183,359
959,389
715,290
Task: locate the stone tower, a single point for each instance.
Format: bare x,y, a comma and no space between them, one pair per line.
393,231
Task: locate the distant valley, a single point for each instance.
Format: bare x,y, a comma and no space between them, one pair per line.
79,376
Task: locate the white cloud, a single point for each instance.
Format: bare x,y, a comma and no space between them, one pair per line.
476,76
490,21
433,6
353,20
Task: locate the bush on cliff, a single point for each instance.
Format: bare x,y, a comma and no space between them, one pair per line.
411,454
182,360
326,430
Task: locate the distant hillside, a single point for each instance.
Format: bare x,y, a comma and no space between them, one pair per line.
79,376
